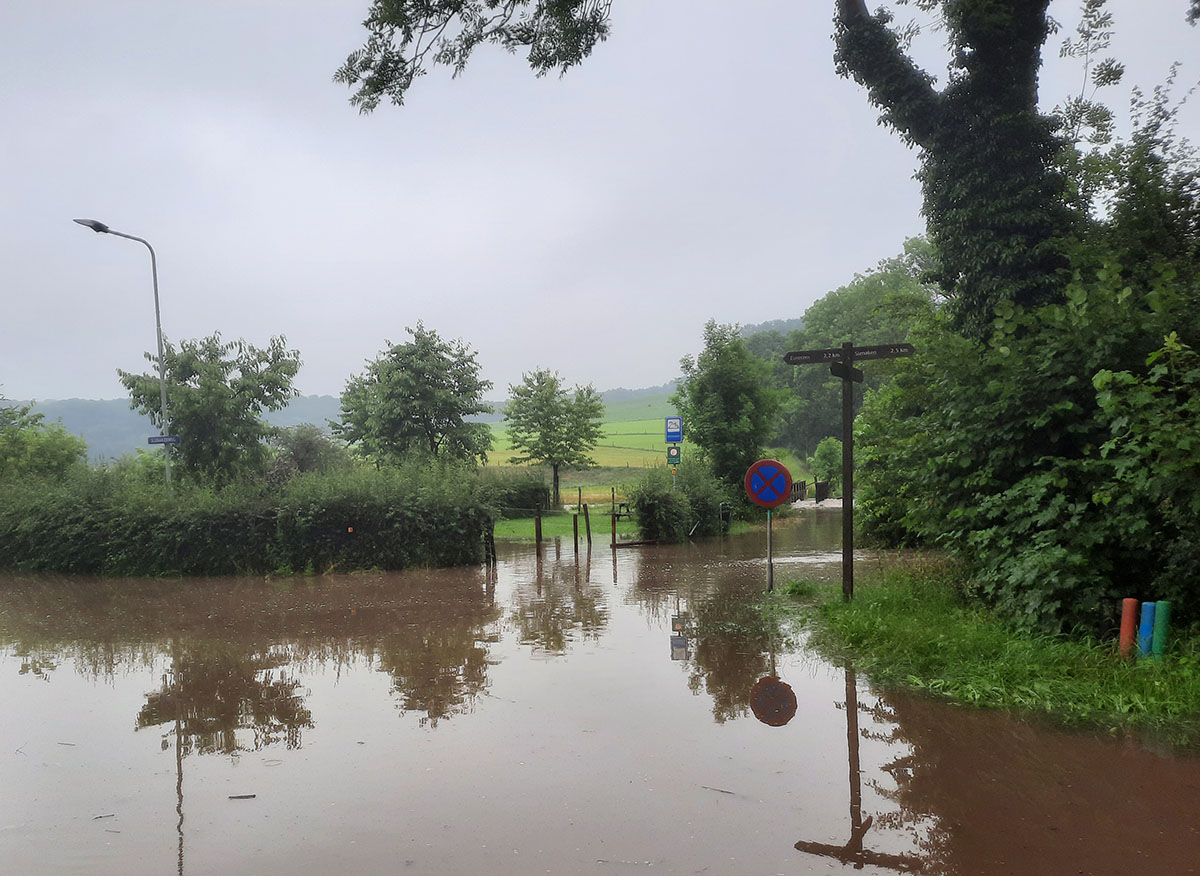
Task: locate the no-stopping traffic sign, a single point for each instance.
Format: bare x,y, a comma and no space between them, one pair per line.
769,483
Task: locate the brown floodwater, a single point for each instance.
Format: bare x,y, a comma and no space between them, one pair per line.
541,718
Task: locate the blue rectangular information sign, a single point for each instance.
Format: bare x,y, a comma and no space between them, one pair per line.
674,430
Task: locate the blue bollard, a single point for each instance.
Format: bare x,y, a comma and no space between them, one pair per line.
1146,630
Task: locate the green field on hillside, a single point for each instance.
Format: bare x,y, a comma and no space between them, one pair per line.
634,434
634,440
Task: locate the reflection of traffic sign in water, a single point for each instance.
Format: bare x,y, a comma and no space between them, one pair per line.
769,483
773,701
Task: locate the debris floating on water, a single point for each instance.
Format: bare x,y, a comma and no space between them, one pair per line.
242,796
106,815
718,790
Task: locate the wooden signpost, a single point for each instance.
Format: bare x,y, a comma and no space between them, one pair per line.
841,364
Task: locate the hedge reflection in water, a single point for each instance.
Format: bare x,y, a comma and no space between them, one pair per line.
930,789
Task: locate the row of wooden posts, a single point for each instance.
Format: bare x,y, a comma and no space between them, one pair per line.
587,523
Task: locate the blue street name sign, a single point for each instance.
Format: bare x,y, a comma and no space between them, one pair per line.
163,439
674,430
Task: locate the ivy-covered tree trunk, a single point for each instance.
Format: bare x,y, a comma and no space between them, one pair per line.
993,200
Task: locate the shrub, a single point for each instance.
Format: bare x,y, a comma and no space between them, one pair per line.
691,508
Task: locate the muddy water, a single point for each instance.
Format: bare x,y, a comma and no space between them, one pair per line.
542,719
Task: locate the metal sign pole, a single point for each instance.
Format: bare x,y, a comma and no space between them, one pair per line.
770,557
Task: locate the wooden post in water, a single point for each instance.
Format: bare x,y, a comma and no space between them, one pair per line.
613,518
578,497
575,525
587,525
537,527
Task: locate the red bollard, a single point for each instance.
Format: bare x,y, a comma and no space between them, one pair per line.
1128,626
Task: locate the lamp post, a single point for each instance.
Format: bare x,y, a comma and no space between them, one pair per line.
101,228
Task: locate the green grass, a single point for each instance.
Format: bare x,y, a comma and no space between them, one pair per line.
556,525
913,629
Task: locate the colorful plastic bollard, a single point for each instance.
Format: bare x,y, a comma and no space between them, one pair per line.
1146,630
1162,620
1128,626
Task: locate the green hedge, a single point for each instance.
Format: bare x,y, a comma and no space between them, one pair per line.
100,523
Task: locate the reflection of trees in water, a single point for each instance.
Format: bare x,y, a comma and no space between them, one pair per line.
733,642
227,699
552,607
990,788
438,664
231,690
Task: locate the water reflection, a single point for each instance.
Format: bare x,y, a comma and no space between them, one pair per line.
626,752
854,851
234,648
555,605
222,699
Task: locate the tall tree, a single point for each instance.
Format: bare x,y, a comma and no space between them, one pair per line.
727,402
217,392
994,200
548,425
416,397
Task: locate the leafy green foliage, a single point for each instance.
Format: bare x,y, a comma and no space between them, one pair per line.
1154,453
548,425
30,447
106,522
826,463
877,307
416,397
993,195
994,451
727,403
306,448
216,394
404,36
695,505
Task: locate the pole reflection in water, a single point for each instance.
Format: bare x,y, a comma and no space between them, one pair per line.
178,756
854,852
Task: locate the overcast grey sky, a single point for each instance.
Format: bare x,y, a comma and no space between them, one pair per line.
700,165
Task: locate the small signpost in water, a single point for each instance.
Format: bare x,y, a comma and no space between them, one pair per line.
841,365
768,484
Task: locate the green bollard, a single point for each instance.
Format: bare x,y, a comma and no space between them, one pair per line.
1162,619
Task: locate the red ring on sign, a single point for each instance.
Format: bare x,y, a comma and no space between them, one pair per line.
768,483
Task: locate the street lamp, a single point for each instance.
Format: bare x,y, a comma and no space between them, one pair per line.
101,228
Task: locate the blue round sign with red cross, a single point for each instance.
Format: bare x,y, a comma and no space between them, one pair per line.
769,483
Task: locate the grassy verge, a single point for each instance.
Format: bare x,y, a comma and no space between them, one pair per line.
913,629
554,525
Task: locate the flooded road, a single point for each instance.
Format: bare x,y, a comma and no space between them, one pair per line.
545,718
